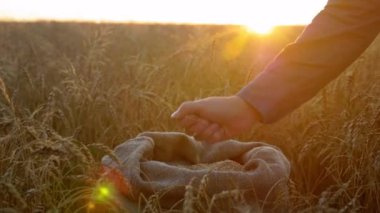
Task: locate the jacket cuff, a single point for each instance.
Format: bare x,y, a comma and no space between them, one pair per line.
261,106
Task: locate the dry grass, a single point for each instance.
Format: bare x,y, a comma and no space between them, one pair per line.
70,92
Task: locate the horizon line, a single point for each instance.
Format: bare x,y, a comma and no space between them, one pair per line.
36,20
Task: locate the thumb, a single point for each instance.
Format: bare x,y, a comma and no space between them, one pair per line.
186,108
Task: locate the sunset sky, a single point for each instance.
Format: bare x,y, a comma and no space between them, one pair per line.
258,14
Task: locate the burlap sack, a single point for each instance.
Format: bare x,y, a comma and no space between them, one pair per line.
165,162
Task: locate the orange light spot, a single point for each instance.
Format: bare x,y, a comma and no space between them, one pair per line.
91,205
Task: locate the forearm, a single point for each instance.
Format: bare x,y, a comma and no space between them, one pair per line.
335,38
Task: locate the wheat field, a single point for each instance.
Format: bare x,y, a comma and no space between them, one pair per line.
70,92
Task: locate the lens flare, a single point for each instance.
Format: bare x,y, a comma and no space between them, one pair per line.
107,191
104,192
91,206
235,46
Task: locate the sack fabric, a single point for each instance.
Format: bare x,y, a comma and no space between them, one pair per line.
166,162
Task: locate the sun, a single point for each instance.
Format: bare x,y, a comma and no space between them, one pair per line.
261,29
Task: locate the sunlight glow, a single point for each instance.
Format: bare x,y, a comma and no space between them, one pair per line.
257,14
260,29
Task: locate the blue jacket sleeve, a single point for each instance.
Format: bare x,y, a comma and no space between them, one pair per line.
336,37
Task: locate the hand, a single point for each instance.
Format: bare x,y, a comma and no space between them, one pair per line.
216,118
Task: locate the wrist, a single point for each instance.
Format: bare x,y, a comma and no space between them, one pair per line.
251,110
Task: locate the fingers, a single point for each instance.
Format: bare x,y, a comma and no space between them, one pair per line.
198,127
194,125
218,136
202,129
186,108
212,134
207,134
188,121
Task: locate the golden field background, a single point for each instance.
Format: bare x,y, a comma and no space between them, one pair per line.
70,92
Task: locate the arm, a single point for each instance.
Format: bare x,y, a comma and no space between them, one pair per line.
335,38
